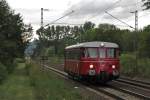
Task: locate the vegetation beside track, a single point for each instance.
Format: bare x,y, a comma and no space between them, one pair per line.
129,68
17,85
48,86
30,82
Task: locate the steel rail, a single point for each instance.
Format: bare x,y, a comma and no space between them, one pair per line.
130,92
138,81
135,83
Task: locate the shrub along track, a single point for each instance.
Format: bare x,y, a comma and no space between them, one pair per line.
113,89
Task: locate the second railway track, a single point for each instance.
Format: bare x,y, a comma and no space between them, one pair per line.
145,85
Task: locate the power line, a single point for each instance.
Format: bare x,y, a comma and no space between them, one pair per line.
120,25
60,18
122,5
64,24
144,15
133,4
119,20
108,8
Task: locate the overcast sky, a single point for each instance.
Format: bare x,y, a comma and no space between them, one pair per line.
84,10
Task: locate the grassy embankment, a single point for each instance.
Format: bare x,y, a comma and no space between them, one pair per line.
28,82
48,86
17,86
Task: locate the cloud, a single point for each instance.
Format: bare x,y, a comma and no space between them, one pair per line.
90,8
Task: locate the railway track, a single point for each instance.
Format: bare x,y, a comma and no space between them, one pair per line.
113,91
138,83
133,90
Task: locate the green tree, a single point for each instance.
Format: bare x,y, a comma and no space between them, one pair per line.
146,4
144,44
11,29
146,28
88,26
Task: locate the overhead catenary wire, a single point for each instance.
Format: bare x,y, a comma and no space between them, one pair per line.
66,24
119,20
60,18
133,4
108,8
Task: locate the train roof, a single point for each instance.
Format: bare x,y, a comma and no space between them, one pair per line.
94,44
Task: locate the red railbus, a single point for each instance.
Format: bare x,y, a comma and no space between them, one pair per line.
98,61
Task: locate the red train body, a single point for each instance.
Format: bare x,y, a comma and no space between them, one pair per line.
98,61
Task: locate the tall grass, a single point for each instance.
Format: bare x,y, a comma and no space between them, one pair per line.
48,86
17,86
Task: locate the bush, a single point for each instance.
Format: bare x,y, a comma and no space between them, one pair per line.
3,72
10,66
128,67
144,67
19,60
128,63
27,68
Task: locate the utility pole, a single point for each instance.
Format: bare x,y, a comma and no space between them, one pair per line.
136,39
41,17
42,9
136,20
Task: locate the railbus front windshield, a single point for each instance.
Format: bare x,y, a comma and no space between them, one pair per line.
100,52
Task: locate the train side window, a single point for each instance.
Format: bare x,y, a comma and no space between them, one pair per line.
117,53
67,54
83,53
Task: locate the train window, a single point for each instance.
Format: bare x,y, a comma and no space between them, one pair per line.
92,52
102,53
72,54
117,53
83,53
111,53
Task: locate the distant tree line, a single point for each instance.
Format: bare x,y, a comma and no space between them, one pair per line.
59,37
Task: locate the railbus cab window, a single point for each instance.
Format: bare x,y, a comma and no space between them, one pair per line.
102,53
92,52
112,53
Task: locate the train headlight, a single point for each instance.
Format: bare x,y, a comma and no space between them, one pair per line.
91,66
113,66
